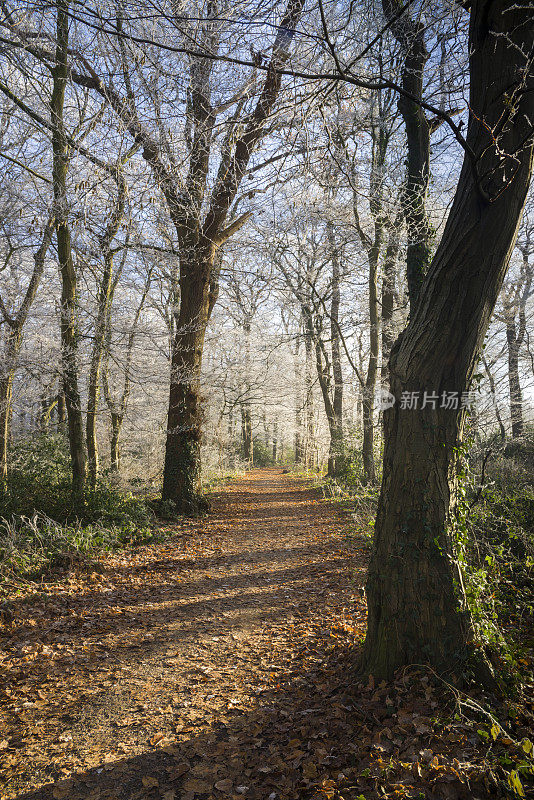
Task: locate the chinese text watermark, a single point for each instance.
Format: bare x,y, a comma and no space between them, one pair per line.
413,401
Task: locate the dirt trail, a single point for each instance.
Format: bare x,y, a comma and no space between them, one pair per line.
157,674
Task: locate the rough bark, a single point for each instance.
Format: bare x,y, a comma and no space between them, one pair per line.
181,475
68,311
417,611
411,36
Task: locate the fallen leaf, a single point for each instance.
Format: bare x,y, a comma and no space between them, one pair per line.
197,786
224,785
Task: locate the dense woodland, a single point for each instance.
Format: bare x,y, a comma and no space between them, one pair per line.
297,235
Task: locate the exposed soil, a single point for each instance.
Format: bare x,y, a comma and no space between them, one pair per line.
221,663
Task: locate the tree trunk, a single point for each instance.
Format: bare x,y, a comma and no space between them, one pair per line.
6,386
94,370
368,456
336,457
372,245
246,431
388,297
246,415
181,476
12,348
514,384
117,408
116,425
61,411
411,36
309,410
231,450
265,429
105,298
13,342
69,339
299,443
417,611
491,382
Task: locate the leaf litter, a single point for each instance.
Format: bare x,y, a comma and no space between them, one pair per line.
221,663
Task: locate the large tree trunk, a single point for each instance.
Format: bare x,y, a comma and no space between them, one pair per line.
417,611
181,476
69,339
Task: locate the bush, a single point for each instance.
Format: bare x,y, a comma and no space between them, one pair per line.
32,546
495,538
40,483
262,454
42,528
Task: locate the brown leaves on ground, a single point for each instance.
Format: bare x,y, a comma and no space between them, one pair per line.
221,664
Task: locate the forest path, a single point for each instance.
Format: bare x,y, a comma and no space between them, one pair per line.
195,667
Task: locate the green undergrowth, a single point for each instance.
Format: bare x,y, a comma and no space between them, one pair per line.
43,528
494,535
37,546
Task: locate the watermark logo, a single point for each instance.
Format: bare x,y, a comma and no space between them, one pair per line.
384,399
413,401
